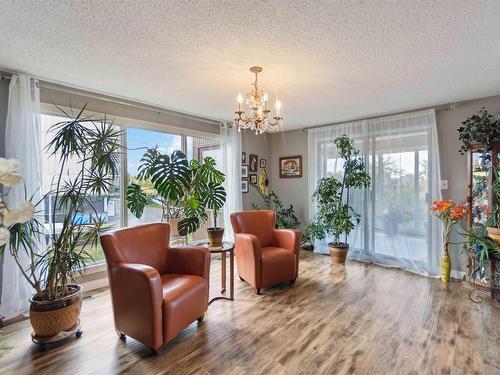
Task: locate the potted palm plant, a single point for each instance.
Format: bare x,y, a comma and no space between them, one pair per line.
335,217
60,251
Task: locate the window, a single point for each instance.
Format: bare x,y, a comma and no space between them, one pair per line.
138,140
395,228
108,207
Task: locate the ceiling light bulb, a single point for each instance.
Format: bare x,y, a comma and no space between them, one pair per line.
240,98
278,105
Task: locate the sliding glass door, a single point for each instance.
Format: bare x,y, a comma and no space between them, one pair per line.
398,219
395,229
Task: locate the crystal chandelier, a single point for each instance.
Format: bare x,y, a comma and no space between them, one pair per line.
259,118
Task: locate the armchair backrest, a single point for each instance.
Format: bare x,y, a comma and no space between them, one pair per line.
145,244
260,223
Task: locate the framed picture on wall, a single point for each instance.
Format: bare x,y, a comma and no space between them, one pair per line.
291,166
244,186
263,163
253,163
244,171
243,158
253,178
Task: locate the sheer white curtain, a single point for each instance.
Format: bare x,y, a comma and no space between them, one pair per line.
22,141
231,156
401,155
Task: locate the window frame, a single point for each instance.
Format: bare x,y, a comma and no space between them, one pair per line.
125,123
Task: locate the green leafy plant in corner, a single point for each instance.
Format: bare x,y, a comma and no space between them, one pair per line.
482,128
285,215
334,215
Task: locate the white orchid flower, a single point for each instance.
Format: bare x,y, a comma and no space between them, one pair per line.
20,215
10,179
26,212
9,172
9,165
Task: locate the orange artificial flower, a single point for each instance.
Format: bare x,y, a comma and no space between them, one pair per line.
458,212
441,205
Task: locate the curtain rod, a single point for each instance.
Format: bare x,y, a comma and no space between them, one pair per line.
62,88
436,107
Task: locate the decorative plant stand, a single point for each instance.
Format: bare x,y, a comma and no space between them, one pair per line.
61,336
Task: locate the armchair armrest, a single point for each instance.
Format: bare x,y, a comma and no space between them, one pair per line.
248,244
137,294
190,260
249,257
288,239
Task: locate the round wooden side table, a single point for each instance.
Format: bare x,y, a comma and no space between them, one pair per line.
226,247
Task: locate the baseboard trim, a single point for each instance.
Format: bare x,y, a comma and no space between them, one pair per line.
459,275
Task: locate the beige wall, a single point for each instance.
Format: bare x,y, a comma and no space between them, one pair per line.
291,190
259,145
453,165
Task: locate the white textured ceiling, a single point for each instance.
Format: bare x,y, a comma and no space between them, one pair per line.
326,60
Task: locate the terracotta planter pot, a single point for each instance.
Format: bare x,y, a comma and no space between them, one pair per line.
52,318
215,236
494,234
338,252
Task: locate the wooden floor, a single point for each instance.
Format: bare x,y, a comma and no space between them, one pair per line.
361,319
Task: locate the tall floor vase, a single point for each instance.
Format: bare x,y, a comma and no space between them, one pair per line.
445,264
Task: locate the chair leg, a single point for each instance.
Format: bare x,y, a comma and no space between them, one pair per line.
292,281
155,351
257,291
121,335
200,319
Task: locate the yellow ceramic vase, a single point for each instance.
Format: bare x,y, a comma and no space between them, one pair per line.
445,265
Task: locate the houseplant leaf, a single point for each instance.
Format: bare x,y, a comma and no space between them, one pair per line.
170,175
137,200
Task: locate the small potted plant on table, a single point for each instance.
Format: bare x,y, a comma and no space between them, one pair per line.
335,216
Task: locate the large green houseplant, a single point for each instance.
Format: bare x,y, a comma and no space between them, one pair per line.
185,190
335,217
285,215
87,150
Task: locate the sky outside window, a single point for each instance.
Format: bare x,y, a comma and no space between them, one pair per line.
139,139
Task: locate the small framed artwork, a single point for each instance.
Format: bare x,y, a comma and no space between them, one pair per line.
244,186
253,178
244,171
243,158
291,166
253,163
263,163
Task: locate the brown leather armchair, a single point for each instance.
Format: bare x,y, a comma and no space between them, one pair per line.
156,290
265,256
